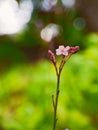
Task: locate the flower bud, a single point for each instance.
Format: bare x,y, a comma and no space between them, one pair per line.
52,56
74,49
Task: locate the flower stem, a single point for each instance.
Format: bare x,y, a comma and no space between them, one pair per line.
56,102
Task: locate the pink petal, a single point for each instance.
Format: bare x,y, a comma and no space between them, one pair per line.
58,52
65,53
67,48
61,47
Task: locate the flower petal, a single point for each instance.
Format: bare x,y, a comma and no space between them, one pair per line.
65,53
61,47
67,48
58,52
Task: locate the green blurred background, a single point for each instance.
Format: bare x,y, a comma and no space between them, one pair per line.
28,28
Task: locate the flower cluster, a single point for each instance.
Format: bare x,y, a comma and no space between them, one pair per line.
66,52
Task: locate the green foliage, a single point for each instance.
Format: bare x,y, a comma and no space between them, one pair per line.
26,89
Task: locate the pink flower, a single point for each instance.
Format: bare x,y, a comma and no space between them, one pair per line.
74,49
62,50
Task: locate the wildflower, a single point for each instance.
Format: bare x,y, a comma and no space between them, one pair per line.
74,49
62,50
66,53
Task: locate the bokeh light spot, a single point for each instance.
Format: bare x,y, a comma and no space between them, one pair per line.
79,23
49,32
13,17
46,5
68,3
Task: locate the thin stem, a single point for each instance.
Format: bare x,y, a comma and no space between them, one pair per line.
64,60
58,73
56,102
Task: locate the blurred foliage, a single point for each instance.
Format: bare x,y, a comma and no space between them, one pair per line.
26,89
26,86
